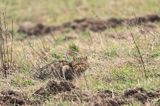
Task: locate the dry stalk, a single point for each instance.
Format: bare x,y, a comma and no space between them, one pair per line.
140,56
6,39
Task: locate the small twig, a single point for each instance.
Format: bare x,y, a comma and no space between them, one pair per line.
140,55
12,34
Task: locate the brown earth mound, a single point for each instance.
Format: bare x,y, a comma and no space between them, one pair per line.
66,91
53,88
141,95
109,98
63,70
86,24
103,98
13,98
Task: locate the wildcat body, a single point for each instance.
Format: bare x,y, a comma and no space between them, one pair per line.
63,70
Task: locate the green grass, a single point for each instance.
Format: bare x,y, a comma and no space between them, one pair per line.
111,52
73,47
51,11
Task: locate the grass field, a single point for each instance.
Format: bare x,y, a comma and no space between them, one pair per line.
114,61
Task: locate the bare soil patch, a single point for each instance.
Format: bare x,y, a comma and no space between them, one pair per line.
110,98
53,88
99,98
84,24
67,91
10,97
141,95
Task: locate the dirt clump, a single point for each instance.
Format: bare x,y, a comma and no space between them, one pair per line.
131,92
94,25
107,93
63,70
109,102
109,98
141,95
76,95
32,29
142,19
10,97
89,24
53,88
102,98
67,91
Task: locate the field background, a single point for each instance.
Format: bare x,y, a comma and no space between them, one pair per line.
55,11
113,58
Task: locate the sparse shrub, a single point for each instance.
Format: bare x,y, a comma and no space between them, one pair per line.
111,52
55,54
21,82
155,53
124,77
73,47
63,38
59,55
125,73
157,103
85,34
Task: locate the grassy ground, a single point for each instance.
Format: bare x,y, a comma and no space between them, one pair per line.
113,58
50,11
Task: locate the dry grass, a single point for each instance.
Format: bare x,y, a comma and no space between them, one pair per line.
113,58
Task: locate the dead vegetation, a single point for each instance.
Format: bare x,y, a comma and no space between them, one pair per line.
141,95
6,47
86,24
